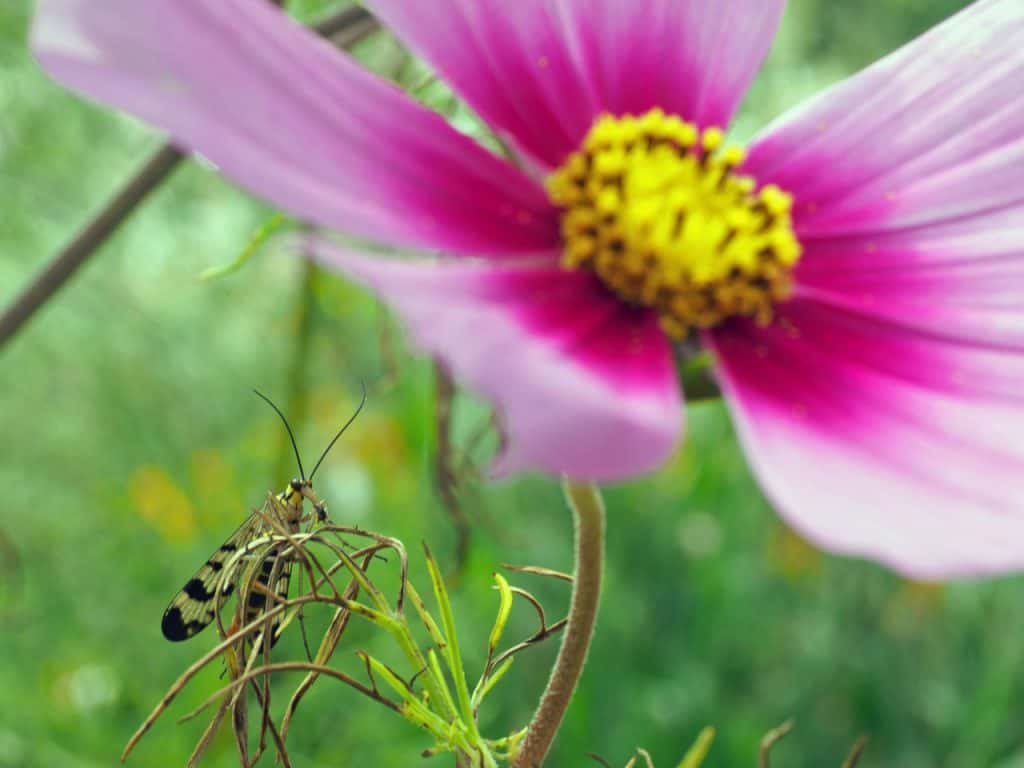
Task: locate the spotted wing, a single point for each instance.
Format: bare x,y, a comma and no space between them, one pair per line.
273,577
192,609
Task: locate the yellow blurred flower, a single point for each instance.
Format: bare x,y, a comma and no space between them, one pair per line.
162,503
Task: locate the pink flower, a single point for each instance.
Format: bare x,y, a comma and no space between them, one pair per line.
859,276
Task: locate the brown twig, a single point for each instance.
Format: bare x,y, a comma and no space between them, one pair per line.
543,633
858,749
538,637
339,623
297,666
208,735
346,28
770,740
274,612
254,626
50,279
536,570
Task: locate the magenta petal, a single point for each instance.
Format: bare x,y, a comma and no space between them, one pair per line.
882,443
585,385
296,122
930,135
907,180
541,70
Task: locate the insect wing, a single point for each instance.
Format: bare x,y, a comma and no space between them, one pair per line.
193,608
273,577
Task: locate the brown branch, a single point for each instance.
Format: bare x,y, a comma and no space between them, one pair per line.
157,168
770,740
346,28
327,647
855,753
297,666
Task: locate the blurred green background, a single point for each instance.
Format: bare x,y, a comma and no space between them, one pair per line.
131,447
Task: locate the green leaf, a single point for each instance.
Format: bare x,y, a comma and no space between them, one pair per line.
259,237
694,757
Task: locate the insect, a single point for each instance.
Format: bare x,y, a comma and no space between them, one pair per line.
194,607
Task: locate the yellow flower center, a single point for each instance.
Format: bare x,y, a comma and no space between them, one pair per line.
653,207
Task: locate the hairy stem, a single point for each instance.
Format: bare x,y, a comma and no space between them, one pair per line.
588,513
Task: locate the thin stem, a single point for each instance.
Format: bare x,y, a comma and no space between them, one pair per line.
345,28
858,749
445,473
770,739
354,23
588,513
157,168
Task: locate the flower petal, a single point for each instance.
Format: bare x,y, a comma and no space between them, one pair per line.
586,386
882,443
931,134
540,71
907,182
295,121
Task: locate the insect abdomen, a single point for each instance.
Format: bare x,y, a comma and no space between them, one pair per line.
257,599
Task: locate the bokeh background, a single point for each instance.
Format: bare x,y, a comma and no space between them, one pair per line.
131,447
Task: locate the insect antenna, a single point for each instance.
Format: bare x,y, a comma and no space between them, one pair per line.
341,431
302,473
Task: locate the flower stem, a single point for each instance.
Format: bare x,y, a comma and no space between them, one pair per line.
588,513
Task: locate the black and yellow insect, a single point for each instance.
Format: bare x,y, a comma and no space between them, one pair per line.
194,607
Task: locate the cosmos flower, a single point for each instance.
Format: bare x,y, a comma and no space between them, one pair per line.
858,274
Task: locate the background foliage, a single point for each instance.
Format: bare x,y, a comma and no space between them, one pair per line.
131,447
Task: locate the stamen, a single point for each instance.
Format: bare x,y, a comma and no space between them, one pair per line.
653,207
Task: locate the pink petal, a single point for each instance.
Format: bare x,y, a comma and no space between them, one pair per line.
586,386
907,178
293,120
929,136
879,442
540,71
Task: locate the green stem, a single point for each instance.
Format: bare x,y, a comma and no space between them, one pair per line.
588,513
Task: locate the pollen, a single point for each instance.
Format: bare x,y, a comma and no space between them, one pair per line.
654,207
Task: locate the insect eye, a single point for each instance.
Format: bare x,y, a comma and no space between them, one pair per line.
296,485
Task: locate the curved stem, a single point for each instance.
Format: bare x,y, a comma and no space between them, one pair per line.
588,513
